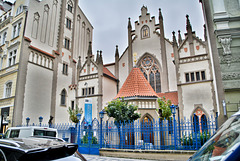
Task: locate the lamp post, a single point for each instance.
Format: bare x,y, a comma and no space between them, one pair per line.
79,132
27,120
101,115
173,110
40,120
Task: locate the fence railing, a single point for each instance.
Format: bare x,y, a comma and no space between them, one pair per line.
146,135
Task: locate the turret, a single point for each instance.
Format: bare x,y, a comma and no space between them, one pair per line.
164,80
179,37
117,63
190,36
130,55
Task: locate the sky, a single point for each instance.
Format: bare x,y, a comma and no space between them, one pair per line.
110,19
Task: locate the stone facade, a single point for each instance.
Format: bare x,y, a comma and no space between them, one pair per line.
222,21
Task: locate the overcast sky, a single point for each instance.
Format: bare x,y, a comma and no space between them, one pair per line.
110,18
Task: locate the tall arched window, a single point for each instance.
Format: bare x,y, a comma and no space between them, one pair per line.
204,125
145,32
151,71
195,123
63,97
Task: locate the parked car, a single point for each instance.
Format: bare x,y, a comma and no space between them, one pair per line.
224,145
22,132
35,148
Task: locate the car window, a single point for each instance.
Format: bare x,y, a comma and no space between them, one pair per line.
14,134
44,133
6,133
219,145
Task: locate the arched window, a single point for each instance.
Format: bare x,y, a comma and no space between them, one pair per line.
147,130
195,123
204,125
145,32
8,89
151,71
63,97
70,6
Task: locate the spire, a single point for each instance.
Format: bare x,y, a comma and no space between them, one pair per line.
79,62
189,27
116,52
89,54
97,56
100,60
179,37
129,23
205,32
174,39
160,14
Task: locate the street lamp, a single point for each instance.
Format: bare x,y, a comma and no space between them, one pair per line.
173,110
27,120
101,115
79,127
40,120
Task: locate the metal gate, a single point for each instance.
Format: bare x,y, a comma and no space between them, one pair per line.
88,137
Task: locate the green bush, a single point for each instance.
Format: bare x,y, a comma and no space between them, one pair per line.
188,140
85,140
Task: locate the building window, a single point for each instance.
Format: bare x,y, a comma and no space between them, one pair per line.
70,6
19,10
8,89
67,43
145,31
195,76
65,69
203,75
72,105
4,37
88,91
12,57
63,97
68,23
149,66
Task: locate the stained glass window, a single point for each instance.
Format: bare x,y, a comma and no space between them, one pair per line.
151,72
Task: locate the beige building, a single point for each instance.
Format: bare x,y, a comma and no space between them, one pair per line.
40,51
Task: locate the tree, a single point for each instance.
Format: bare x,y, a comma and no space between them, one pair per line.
73,114
164,108
122,114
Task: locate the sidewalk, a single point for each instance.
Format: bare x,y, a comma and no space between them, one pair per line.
101,158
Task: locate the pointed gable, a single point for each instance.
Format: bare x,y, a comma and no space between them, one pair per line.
136,85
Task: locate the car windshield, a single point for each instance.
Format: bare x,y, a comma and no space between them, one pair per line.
44,133
220,144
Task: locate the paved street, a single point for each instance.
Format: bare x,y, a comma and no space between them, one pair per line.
101,158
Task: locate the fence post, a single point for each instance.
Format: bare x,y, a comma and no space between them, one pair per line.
100,132
175,133
216,120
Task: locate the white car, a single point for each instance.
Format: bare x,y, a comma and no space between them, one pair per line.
22,132
36,149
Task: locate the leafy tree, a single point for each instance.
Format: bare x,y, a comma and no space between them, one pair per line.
73,114
164,107
122,112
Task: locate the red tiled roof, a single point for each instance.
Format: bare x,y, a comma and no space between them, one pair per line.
26,38
108,73
136,85
173,96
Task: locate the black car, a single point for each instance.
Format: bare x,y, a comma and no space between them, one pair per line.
36,149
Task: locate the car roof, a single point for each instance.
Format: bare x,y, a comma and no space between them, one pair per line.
32,143
33,127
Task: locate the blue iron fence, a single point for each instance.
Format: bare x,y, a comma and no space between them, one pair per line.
146,135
